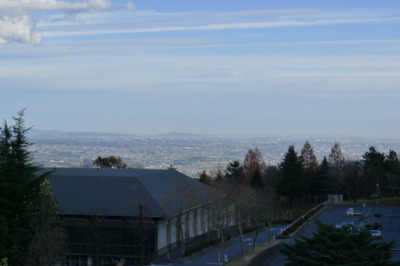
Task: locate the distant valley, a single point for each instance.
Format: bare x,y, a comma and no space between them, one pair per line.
190,154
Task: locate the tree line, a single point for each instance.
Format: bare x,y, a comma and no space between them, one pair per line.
301,178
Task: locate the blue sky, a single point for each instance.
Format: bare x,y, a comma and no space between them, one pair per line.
328,68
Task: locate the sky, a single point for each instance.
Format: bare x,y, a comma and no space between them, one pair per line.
323,68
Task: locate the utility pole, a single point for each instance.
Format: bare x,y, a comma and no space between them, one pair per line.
141,236
377,199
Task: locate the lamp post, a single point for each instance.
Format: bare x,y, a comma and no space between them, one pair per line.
377,200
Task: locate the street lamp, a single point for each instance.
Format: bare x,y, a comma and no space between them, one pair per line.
377,200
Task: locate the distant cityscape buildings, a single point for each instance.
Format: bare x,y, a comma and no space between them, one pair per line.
190,154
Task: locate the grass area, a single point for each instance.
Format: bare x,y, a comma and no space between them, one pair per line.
392,201
250,254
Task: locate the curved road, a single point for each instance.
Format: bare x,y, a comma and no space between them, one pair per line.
336,214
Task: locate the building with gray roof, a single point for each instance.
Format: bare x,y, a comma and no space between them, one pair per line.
124,215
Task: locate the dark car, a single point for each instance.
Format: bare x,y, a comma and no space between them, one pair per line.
373,225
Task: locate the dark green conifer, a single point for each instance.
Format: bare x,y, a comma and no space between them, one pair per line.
19,185
338,246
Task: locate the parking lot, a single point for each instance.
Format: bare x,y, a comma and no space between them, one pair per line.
335,214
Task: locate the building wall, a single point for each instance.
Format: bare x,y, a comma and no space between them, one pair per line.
196,223
116,240
162,229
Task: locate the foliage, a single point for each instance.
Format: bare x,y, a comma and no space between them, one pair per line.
291,170
392,168
336,158
4,262
382,169
252,161
374,160
205,178
308,158
256,179
321,184
310,164
109,162
48,242
338,246
19,186
234,171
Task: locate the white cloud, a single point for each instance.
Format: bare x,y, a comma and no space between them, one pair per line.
17,17
18,28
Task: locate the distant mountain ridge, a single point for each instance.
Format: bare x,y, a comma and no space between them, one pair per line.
45,134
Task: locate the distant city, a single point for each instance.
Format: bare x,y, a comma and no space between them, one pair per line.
189,154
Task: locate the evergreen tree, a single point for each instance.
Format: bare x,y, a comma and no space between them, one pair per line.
322,185
338,246
234,171
19,185
374,166
374,160
256,180
271,177
291,171
392,168
205,178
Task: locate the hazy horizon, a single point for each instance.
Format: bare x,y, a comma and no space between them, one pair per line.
37,131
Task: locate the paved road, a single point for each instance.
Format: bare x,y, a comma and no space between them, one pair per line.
210,257
336,214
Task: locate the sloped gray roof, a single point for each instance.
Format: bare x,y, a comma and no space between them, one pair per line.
120,192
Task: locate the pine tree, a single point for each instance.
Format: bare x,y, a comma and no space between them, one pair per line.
290,182
205,178
338,246
392,168
256,180
234,171
322,185
19,185
374,166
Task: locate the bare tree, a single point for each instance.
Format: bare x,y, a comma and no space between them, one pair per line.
336,158
310,164
252,161
48,244
182,196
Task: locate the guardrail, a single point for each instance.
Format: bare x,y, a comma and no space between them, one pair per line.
282,230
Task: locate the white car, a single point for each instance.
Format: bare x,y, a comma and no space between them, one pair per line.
349,224
376,233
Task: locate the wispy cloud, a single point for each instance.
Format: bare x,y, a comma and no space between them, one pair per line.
151,22
53,5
